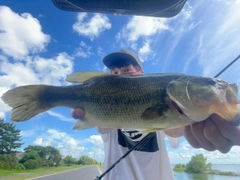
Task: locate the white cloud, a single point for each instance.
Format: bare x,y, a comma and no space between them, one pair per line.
28,133
96,151
139,26
60,116
20,34
236,149
184,153
91,27
2,115
57,68
3,107
216,41
97,154
184,148
67,145
62,141
83,51
41,142
145,52
96,140
186,12
36,70
138,34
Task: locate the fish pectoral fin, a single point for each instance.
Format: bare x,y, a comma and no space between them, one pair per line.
81,124
150,130
81,77
154,112
225,110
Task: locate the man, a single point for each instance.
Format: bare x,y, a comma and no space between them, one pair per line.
150,161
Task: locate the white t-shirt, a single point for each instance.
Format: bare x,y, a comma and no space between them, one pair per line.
150,162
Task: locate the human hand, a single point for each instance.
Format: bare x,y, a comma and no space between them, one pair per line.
212,134
78,113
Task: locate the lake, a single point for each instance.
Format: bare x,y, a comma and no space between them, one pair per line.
220,167
227,167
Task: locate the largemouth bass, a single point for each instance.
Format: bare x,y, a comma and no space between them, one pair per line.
151,101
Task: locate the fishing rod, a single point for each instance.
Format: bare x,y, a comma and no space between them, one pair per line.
146,138
224,69
152,134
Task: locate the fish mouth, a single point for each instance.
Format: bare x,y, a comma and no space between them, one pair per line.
179,110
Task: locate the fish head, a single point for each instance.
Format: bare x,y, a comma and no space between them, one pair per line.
199,97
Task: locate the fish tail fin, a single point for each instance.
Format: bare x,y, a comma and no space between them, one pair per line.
26,101
230,112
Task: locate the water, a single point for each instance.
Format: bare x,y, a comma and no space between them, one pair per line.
227,167
185,176
220,167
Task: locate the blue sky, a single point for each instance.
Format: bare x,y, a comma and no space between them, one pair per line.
40,44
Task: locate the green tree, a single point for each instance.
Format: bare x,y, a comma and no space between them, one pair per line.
30,155
85,160
197,164
209,166
41,150
49,153
54,155
8,161
10,138
32,164
179,167
69,160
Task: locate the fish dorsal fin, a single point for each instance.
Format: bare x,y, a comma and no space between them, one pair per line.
81,77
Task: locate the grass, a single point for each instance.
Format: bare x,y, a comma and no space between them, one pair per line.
227,173
25,174
100,166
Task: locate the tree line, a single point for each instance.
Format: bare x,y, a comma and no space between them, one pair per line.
197,164
34,156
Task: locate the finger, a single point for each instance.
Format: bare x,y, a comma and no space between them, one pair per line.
190,138
197,131
213,135
227,129
78,113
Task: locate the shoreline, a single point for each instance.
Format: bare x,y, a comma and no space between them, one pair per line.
213,171
224,173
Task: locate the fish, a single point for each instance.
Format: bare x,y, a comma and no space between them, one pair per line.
147,101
